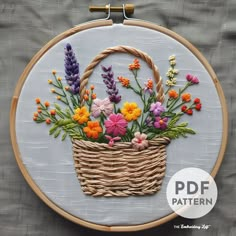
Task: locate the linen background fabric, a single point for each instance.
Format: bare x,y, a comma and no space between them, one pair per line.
25,26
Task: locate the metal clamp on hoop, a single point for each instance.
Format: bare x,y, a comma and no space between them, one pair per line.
127,9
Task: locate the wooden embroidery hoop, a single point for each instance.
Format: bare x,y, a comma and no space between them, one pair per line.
79,28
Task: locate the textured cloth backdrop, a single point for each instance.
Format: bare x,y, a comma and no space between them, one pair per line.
25,26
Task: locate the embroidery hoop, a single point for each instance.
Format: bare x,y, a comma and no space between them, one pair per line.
80,28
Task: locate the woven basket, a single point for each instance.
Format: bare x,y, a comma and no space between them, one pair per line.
120,170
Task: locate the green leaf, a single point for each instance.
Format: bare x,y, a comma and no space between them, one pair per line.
57,107
57,133
53,129
173,121
63,136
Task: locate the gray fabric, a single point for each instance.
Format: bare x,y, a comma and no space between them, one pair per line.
25,26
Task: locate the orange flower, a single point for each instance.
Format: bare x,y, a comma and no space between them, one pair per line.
173,94
135,65
59,79
81,115
94,96
124,81
48,121
39,111
36,114
67,88
39,107
53,112
87,91
47,104
54,72
86,98
37,100
186,97
92,87
92,129
149,84
35,118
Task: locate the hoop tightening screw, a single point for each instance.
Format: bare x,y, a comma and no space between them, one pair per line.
128,8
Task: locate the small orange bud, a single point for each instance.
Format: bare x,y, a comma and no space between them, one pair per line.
87,91
67,88
86,98
94,96
53,112
50,81
47,104
35,118
37,100
54,72
39,111
36,114
39,107
53,90
59,79
48,121
92,87
58,97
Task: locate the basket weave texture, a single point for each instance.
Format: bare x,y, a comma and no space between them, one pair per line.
120,170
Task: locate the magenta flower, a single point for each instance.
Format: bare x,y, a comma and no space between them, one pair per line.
101,106
157,108
139,141
112,140
116,125
193,79
161,123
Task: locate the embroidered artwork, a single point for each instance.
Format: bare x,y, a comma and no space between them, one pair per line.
119,146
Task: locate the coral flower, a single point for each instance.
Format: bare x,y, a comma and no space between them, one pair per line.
173,94
93,129
94,96
116,125
157,108
135,65
131,111
186,97
160,123
81,115
124,81
47,104
101,106
37,100
149,86
139,141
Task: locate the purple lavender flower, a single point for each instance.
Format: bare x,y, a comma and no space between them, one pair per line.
108,79
193,79
157,108
72,70
149,121
161,123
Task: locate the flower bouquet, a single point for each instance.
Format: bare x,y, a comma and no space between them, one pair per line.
119,147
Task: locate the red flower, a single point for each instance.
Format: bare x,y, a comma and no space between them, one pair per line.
48,121
53,112
183,108
197,100
189,112
198,106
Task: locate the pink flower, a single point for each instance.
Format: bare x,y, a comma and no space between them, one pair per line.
139,141
193,79
161,123
101,106
116,124
112,140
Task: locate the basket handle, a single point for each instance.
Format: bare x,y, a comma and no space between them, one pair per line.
122,49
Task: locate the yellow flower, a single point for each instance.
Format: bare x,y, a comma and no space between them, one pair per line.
131,111
50,81
81,115
59,79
